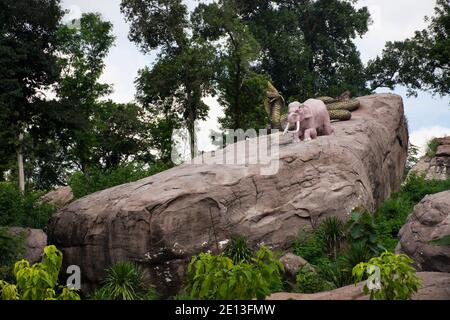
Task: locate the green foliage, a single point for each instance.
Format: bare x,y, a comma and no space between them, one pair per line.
331,231
23,210
309,246
39,281
173,88
124,281
397,277
27,66
216,277
238,250
413,157
362,230
444,241
421,62
307,48
325,240
95,179
11,247
392,214
432,146
309,281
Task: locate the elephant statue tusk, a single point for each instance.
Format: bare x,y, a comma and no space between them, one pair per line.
287,129
297,129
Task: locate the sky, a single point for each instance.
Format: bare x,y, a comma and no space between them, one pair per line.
427,116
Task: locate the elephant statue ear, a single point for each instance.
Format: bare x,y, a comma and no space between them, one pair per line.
307,113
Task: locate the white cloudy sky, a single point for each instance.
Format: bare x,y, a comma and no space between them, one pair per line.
428,116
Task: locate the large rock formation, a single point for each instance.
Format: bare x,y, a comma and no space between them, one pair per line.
430,220
162,220
435,286
438,165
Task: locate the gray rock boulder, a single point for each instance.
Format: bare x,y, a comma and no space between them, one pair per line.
35,241
162,220
430,220
59,197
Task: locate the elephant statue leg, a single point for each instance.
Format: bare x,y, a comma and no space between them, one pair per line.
310,133
327,129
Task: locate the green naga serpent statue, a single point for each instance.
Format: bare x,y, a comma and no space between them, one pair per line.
338,108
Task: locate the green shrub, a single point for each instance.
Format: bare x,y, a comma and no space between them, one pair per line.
217,277
331,232
23,210
325,240
95,179
11,248
432,146
361,231
397,278
309,281
309,246
39,281
238,250
124,281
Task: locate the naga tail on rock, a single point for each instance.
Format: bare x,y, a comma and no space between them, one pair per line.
342,115
350,105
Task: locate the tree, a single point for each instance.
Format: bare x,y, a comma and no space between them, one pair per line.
242,90
27,65
307,46
173,88
82,52
421,62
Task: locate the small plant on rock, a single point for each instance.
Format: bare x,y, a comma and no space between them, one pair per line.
238,250
391,277
309,281
332,233
124,281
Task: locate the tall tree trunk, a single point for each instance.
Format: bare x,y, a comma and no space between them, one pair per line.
20,164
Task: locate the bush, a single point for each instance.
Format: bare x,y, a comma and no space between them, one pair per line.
39,281
218,278
361,231
96,179
11,248
391,275
432,146
331,232
124,281
23,210
309,281
238,250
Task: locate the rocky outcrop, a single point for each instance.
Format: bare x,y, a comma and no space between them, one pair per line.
292,264
430,220
35,241
162,220
59,197
437,166
435,286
